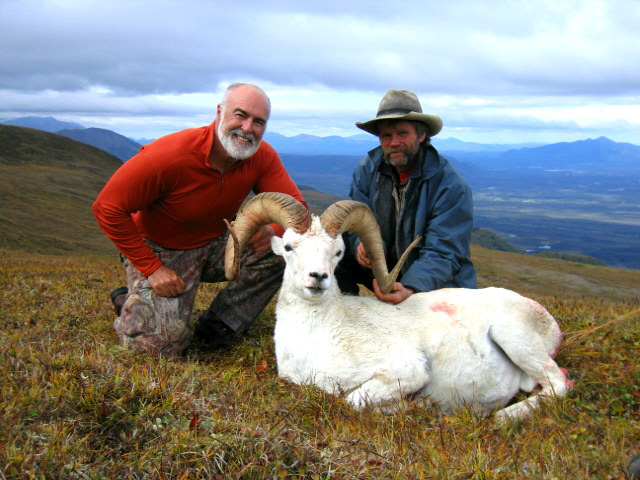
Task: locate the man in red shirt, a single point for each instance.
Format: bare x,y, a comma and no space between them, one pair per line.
164,210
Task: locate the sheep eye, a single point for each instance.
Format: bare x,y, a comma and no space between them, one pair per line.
338,253
288,247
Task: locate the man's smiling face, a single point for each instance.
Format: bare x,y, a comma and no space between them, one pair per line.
242,121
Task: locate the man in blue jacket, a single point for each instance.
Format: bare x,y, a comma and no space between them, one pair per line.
411,191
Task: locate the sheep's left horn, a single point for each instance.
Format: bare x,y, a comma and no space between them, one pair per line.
356,217
263,209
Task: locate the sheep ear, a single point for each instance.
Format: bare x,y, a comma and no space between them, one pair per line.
277,245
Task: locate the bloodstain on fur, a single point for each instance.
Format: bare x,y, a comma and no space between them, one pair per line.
444,308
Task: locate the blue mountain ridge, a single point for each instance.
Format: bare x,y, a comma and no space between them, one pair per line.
579,197
48,124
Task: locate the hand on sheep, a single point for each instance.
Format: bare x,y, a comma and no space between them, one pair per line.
397,294
362,257
166,282
261,240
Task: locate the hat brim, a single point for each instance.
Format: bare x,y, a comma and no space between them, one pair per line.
433,122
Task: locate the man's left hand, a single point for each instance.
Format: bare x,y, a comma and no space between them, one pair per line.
261,240
397,294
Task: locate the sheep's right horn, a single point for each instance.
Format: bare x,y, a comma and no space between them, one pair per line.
356,217
263,209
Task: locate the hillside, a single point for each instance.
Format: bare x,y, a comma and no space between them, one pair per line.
537,276
487,239
47,185
118,145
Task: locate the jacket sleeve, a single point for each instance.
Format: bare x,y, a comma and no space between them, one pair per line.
132,187
447,235
360,191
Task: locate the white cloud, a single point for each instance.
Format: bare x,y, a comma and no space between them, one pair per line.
508,69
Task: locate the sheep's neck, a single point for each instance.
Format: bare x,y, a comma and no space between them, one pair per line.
323,312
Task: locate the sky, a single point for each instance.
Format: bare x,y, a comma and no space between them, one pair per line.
496,72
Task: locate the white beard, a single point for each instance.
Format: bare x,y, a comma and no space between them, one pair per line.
235,148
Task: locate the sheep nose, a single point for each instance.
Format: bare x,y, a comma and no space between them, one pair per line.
318,276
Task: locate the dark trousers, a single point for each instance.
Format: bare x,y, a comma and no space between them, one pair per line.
149,322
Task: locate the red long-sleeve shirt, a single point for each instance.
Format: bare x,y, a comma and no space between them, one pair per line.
170,194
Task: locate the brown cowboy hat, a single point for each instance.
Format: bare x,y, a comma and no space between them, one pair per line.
401,105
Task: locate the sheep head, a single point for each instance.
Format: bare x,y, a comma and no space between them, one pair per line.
311,259
319,243
262,209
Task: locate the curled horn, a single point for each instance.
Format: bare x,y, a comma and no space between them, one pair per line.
263,209
356,217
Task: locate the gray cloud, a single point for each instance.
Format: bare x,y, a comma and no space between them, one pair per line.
119,58
139,47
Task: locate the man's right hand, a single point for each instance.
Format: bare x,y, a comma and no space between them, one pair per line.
362,257
166,282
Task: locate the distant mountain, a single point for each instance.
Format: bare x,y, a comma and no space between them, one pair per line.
313,145
596,155
48,124
454,145
327,173
47,186
361,144
332,173
470,151
143,141
122,147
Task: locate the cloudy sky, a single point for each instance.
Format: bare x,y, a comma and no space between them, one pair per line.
496,72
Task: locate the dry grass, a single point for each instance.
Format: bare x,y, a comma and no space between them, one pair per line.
76,405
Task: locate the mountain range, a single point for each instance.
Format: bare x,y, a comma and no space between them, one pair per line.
295,145
114,143
577,197
48,124
118,145
595,155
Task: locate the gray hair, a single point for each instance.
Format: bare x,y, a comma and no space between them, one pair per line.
233,86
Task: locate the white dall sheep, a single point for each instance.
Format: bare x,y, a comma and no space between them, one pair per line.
457,346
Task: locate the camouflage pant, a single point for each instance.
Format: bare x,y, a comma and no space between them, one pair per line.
149,322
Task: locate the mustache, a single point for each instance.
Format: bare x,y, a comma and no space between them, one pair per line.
399,149
396,149
247,136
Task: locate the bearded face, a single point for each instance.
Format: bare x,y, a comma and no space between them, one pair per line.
239,145
400,143
401,156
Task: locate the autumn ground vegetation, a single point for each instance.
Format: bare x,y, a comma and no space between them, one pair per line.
76,405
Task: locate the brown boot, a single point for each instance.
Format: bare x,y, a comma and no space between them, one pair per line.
118,296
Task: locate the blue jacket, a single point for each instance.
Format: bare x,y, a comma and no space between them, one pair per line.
436,204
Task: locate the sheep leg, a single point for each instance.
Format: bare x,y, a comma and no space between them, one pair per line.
382,390
526,350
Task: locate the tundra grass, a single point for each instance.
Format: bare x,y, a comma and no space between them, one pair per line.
76,405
